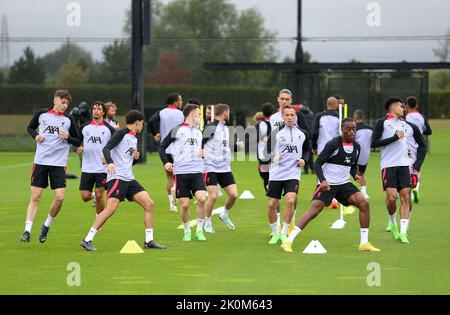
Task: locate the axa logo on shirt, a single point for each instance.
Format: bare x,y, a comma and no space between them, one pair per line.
191,141
130,151
290,149
94,139
348,160
52,130
224,142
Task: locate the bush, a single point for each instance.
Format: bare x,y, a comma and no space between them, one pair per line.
439,104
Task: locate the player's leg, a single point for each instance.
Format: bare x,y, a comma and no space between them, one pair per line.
274,191
361,172
36,194
358,200
212,189
415,191
99,200
290,200
144,200
391,205
405,205
170,191
87,182
55,207
226,180
200,196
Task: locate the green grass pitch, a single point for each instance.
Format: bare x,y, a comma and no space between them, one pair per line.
229,262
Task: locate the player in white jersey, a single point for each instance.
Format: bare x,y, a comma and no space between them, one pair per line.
161,123
414,116
216,146
53,132
288,146
94,135
111,111
120,153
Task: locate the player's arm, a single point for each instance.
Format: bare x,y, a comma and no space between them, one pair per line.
34,123
353,168
421,147
305,149
208,132
427,130
315,132
110,128
79,149
323,157
171,136
74,135
378,131
302,123
112,143
154,122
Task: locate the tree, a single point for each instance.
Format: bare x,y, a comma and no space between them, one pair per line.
442,52
169,70
116,67
71,73
68,51
28,69
210,31
439,79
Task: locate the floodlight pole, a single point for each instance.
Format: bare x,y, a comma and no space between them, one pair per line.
140,35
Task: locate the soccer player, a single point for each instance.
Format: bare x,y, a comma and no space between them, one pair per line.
333,166
389,135
120,153
277,121
326,125
364,138
417,150
94,136
111,110
263,130
289,145
217,155
187,167
413,116
165,120
56,131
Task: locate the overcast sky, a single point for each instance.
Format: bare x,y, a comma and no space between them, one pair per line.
321,18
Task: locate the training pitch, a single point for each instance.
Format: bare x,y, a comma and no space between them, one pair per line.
229,262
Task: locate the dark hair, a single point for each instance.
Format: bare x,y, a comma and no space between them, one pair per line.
172,98
267,109
189,108
338,97
63,94
219,109
346,120
412,101
358,114
193,101
287,107
391,100
133,116
101,104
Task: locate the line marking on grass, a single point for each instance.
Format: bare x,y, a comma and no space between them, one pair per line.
16,165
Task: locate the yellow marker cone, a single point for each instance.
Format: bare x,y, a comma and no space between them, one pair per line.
131,247
192,223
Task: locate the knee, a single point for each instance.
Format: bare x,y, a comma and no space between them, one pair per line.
59,198
364,205
148,205
36,198
86,197
273,203
212,196
233,195
202,199
391,198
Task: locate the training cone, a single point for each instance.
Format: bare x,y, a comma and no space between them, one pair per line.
218,210
349,210
334,204
338,224
131,247
247,195
192,223
314,247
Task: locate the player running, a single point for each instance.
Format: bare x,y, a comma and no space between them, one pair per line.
289,144
389,135
56,131
94,136
187,167
333,166
120,153
216,145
